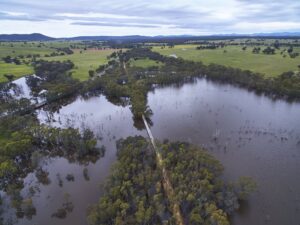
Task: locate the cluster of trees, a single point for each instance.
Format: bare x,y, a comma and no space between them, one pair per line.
195,175
67,142
134,193
269,51
210,46
54,78
294,54
9,59
256,50
139,53
65,50
53,54
60,52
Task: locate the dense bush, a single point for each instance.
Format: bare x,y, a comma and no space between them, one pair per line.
134,192
54,77
135,195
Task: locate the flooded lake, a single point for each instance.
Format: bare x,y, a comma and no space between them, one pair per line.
251,135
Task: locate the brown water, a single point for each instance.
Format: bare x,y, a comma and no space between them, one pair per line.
256,137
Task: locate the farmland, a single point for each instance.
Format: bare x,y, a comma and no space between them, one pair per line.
85,59
234,56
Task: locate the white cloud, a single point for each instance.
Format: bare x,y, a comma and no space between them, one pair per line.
14,13
96,15
118,17
267,26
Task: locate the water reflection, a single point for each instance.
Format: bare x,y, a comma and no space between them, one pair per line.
251,135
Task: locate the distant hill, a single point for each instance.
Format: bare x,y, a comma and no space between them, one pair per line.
108,38
25,37
279,34
139,38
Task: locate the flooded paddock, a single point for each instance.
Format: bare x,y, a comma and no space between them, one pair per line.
251,135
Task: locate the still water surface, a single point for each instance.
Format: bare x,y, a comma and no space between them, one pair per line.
251,135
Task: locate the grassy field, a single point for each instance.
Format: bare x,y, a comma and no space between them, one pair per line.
20,48
16,49
17,70
85,61
269,65
144,63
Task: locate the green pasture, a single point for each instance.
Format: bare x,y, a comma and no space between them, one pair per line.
144,63
16,70
84,61
234,56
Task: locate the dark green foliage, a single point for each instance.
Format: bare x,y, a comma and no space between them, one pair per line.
9,59
269,51
134,192
53,77
91,73
66,50
290,50
195,175
294,54
256,50
9,77
52,70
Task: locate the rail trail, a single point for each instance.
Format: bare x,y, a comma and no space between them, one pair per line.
166,181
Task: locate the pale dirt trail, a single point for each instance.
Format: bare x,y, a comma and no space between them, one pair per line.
166,181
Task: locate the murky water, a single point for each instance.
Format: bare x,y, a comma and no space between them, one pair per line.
251,135
256,137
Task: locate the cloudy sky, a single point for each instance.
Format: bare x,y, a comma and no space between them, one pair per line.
65,18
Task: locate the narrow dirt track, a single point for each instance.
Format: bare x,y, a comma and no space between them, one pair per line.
166,181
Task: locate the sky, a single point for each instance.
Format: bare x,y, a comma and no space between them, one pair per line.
68,18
